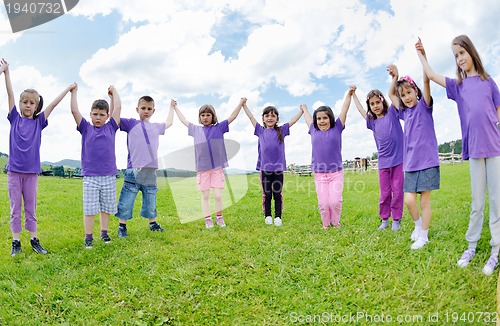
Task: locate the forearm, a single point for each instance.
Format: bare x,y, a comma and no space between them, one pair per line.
170,118
250,115
10,91
295,118
359,106
181,117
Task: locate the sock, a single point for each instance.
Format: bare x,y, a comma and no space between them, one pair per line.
424,233
219,215
123,225
208,217
104,233
418,223
88,236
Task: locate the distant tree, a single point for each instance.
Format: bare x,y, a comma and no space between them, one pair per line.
3,155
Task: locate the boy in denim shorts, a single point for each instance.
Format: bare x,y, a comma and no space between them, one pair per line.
98,161
142,163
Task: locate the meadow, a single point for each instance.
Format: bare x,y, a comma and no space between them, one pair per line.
248,273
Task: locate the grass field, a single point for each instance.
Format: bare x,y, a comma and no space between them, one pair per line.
248,273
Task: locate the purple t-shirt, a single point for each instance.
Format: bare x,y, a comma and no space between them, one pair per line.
142,142
477,101
209,148
24,142
271,152
420,149
388,136
98,148
327,148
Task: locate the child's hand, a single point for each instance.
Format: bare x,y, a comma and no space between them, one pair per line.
303,107
393,70
243,101
3,65
420,47
352,89
72,87
173,104
111,91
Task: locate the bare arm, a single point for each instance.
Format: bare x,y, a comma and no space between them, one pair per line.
170,115
295,118
427,89
74,106
8,85
393,72
359,106
56,101
437,78
236,110
181,116
249,114
116,103
307,116
346,105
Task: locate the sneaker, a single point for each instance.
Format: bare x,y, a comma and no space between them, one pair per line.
395,225
156,227
466,257
122,232
415,233
37,247
491,265
106,238
88,243
420,243
220,222
16,247
269,220
209,223
384,225
277,221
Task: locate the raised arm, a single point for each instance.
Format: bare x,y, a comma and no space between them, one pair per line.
170,115
180,115
392,93
116,103
359,106
427,89
48,110
437,78
307,116
295,118
236,110
74,106
346,105
4,66
249,114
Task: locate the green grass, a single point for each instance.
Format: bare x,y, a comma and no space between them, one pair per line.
249,273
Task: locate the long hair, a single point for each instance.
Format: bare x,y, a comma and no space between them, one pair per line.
407,82
465,42
372,93
272,109
207,108
38,99
328,111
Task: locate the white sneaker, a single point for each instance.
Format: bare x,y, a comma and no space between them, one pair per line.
466,258
490,265
277,221
415,233
269,220
420,243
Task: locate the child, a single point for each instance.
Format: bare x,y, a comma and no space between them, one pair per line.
326,140
420,155
98,162
142,163
478,102
24,158
210,156
271,160
383,120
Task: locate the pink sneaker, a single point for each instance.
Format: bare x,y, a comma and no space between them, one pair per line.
209,223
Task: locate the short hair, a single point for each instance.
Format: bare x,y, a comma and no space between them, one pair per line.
38,99
380,95
328,111
146,98
100,105
207,108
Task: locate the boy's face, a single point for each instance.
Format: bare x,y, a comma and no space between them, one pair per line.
145,109
98,117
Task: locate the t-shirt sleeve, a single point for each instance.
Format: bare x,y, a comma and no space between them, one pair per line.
285,129
83,126
224,126
13,114
191,129
339,124
161,128
113,124
451,88
258,130
125,124
495,93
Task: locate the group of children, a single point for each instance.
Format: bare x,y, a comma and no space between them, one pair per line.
408,160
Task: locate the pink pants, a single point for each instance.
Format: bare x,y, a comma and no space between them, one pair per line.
22,186
329,186
391,192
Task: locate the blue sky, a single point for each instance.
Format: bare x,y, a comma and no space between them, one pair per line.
273,52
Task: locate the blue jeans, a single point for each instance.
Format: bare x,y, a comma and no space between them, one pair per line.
128,194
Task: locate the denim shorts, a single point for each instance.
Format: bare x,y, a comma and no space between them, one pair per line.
423,180
128,194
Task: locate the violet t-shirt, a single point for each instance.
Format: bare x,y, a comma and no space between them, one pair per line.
24,142
271,156
388,136
209,148
420,149
477,101
327,148
98,148
142,142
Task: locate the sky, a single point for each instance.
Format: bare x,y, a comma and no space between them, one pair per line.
278,52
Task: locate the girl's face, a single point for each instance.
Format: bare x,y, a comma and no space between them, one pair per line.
408,96
28,105
323,121
463,59
270,119
206,119
376,105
